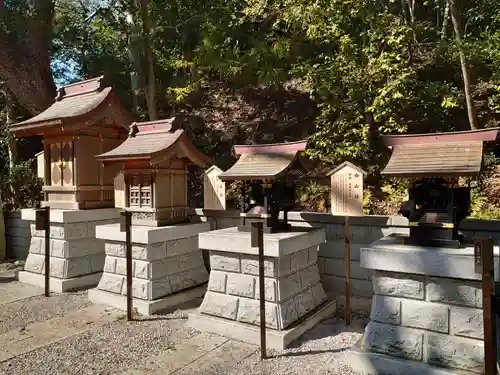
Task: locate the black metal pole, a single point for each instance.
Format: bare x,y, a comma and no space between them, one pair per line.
125,226
47,251
347,271
257,240
483,252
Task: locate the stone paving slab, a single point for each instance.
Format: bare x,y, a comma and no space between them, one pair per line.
15,291
37,335
177,357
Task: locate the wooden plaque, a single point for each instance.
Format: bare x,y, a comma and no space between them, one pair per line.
347,190
214,190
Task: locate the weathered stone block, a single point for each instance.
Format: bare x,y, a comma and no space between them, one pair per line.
394,340
386,310
284,265
60,268
187,279
57,231
75,230
269,289
59,248
121,266
309,276
35,263
217,281
241,285
319,294
140,289
97,262
455,352
160,288
460,292
225,262
299,259
287,313
321,265
249,312
76,266
337,267
221,305
110,264
466,322
425,315
83,247
141,269
115,249
111,283
398,285
182,245
288,286
194,259
304,302
250,265
313,254
164,267
37,245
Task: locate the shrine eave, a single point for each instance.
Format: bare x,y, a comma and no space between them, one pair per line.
450,159
291,147
76,109
484,135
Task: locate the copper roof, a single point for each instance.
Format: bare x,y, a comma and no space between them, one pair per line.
269,161
75,101
148,139
462,136
435,159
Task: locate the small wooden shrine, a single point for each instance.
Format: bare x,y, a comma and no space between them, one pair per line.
268,174
153,175
434,163
86,119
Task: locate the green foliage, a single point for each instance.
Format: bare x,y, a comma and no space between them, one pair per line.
21,187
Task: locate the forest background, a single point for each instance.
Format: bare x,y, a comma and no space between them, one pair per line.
338,72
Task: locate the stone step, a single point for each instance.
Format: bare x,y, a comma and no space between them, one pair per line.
15,291
37,335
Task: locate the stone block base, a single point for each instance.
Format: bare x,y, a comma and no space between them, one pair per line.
146,307
370,363
75,252
165,261
60,285
276,340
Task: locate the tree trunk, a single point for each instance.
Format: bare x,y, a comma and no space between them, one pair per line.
471,111
446,20
9,120
150,91
25,59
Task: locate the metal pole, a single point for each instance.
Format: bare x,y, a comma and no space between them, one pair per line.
125,226
483,256
257,240
47,251
347,271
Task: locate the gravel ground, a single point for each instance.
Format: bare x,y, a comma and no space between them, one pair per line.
18,314
117,346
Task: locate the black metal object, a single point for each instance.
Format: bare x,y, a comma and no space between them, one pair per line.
42,222
434,210
257,240
263,201
125,226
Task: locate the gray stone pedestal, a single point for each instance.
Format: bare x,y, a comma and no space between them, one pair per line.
426,315
293,290
76,256
167,266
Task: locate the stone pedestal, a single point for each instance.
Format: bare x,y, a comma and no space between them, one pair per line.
293,290
76,255
426,315
167,266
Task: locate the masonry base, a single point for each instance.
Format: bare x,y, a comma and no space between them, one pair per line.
370,363
60,285
276,340
146,307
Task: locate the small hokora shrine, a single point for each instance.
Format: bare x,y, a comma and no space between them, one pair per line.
86,119
152,184
295,299
426,315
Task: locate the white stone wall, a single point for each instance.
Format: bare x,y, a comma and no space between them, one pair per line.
74,250
430,319
292,287
159,269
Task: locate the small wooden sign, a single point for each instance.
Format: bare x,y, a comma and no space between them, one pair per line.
347,190
40,164
125,220
42,218
214,189
478,258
